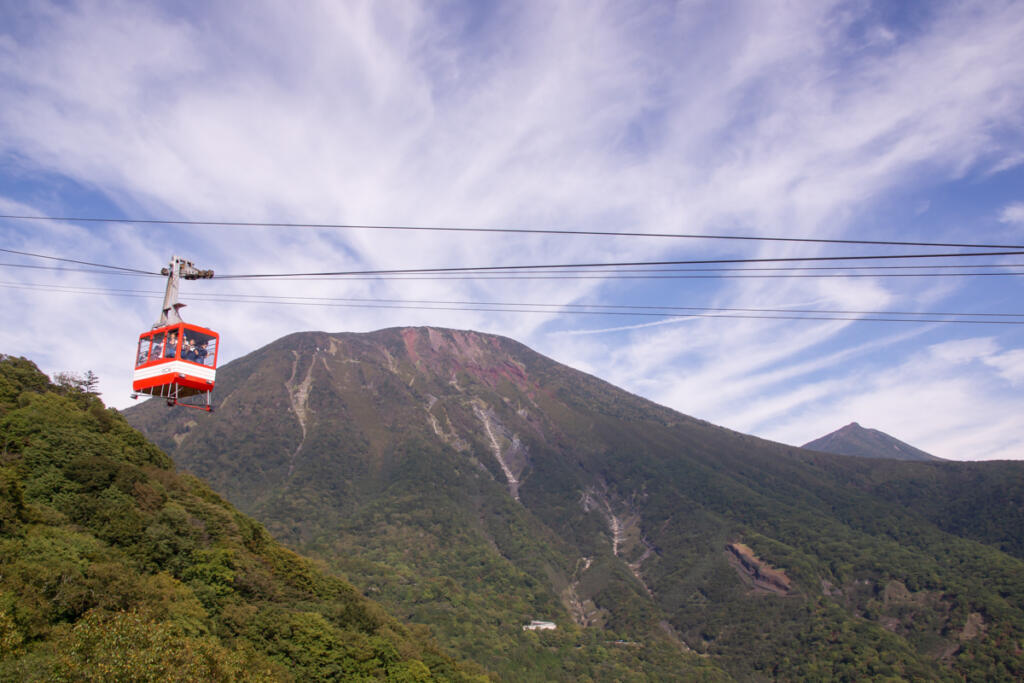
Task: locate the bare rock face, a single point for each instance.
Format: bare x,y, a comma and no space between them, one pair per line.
762,575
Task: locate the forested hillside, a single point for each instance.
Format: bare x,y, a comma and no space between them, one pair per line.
114,567
473,485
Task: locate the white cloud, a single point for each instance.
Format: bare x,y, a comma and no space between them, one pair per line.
1009,365
963,351
1013,213
767,120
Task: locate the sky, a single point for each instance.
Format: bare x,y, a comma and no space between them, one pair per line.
883,121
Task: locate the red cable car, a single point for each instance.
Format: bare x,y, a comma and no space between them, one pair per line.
176,360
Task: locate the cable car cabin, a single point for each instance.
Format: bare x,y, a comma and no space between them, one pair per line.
177,362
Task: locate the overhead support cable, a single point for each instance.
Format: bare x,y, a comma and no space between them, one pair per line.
617,274
610,275
627,274
562,309
604,307
62,269
639,270
526,231
83,263
624,264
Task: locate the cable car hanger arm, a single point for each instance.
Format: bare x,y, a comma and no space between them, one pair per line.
179,268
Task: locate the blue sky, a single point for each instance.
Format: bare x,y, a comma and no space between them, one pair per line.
834,120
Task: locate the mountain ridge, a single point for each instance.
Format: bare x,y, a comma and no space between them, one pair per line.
474,485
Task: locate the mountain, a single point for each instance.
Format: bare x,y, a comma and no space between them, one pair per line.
114,567
473,485
866,443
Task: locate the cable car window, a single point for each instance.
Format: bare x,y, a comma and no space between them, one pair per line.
208,354
189,350
199,348
143,354
171,348
156,351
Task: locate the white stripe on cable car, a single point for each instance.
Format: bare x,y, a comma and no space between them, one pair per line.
177,367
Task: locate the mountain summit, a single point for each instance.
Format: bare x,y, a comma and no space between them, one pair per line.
476,486
867,443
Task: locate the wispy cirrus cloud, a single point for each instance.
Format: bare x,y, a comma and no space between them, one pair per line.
752,118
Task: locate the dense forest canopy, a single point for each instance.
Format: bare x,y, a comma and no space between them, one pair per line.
115,567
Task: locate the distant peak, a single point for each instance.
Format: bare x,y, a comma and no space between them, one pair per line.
853,439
